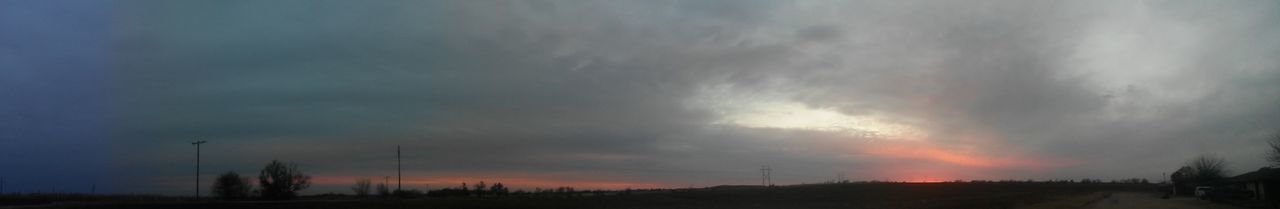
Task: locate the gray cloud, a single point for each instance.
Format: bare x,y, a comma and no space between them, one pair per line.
602,90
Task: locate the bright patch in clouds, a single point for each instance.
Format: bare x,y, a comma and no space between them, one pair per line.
771,110
794,115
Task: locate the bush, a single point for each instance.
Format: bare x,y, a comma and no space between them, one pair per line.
231,186
408,194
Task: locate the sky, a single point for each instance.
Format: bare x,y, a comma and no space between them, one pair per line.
106,96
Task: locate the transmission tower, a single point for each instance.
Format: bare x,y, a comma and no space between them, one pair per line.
765,176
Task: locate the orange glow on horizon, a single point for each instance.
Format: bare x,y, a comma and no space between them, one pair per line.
932,153
511,182
928,181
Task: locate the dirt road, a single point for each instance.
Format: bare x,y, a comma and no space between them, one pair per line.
1120,200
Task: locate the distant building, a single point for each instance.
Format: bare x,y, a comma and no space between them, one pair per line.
1257,182
1183,181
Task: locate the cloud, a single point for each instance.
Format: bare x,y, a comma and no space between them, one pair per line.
680,93
52,117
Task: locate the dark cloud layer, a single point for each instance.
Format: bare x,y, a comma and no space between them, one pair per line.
680,93
52,125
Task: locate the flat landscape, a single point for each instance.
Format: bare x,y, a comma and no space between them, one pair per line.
639,104
855,195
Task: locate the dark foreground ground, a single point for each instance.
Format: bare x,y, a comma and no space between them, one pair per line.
881,195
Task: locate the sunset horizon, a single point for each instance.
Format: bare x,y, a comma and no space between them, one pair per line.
322,98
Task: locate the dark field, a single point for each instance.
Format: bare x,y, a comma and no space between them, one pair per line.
878,195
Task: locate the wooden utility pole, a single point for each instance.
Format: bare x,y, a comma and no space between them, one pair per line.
398,174
198,143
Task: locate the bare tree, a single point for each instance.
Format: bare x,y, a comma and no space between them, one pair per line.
231,186
384,190
1208,168
1273,154
281,181
362,187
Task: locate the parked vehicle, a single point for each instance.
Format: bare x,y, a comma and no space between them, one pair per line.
1202,192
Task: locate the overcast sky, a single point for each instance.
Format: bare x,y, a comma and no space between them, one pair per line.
617,94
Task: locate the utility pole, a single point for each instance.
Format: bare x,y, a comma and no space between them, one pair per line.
198,143
1,185
398,174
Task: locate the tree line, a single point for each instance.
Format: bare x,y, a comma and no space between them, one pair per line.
276,181
281,181
364,188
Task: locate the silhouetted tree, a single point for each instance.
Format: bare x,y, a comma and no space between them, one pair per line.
479,189
362,187
281,181
566,191
498,189
384,190
1207,168
231,186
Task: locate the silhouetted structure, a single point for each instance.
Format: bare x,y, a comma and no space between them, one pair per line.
766,176
198,143
1182,181
1256,183
398,174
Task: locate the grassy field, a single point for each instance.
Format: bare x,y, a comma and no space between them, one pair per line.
877,195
